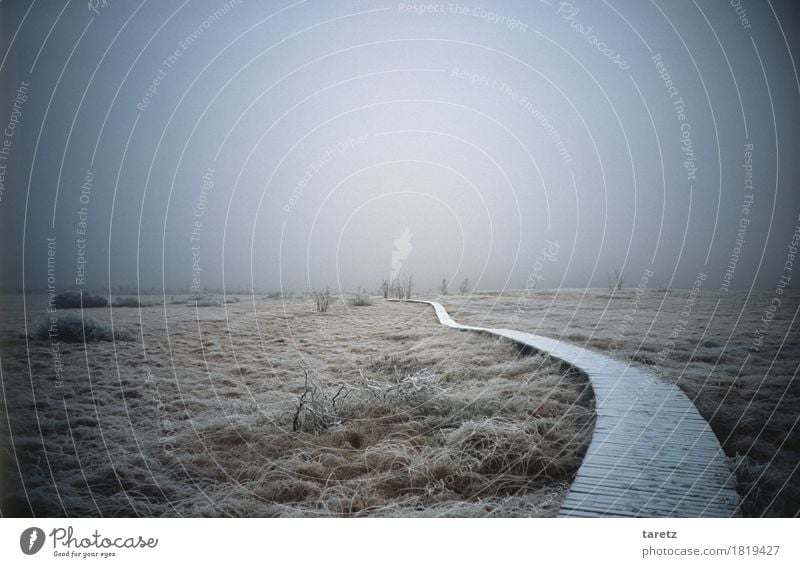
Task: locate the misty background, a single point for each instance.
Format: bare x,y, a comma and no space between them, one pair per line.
296,145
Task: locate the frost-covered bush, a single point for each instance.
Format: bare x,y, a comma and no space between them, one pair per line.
71,328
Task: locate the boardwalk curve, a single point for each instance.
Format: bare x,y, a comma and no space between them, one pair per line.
651,455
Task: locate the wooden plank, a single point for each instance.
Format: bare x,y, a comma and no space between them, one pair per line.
646,504
634,490
582,492
611,507
695,468
620,483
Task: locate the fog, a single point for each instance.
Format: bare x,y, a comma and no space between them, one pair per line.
299,145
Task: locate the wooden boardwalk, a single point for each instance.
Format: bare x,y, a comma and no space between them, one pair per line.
651,455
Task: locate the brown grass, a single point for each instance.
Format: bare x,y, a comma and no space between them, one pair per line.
198,419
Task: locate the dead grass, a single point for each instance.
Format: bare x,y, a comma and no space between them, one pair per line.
409,418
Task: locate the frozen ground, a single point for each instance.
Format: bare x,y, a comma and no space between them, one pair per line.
266,408
734,357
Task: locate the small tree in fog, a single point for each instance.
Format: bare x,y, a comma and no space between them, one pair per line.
464,287
443,287
615,281
323,300
409,286
402,287
397,289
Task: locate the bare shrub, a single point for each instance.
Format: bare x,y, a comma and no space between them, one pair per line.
316,410
319,409
71,299
443,287
464,287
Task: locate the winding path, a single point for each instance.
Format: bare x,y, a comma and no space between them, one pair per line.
651,455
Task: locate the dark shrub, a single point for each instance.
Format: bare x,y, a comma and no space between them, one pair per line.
71,299
71,329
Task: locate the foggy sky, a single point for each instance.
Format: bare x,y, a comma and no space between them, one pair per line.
308,144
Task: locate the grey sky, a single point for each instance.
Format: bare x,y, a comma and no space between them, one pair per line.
298,140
